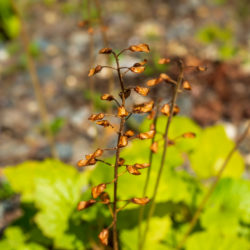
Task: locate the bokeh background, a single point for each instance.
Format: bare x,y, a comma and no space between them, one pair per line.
48,39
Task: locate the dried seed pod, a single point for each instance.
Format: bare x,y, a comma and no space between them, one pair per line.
200,68
154,82
105,198
121,162
144,107
123,142
146,135
85,204
104,123
86,162
186,85
107,97
129,133
140,63
105,51
154,147
97,190
165,110
165,77
104,236
189,135
140,201
176,110
133,170
98,153
139,48
151,115
96,117
95,70
164,61
138,70
142,91
122,112
141,165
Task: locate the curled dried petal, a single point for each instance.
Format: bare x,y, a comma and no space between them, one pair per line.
105,51
85,204
164,61
107,97
122,112
144,107
133,170
147,135
104,236
123,142
104,123
189,135
165,110
186,85
121,162
138,70
105,198
97,190
142,91
140,201
95,70
129,133
141,165
154,82
154,147
139,48
96,117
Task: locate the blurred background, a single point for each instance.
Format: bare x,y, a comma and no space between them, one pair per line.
48,46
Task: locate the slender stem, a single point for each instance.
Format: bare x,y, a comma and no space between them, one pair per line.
152,204
211,189
119,209
25,39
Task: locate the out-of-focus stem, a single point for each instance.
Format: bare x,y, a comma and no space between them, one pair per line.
25,39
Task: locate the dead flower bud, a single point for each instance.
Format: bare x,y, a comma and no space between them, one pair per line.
138,69
142,91
144,107
140,201
154,147
176,110
105,51
151,115
104,236
133,170
200,68
165,77
140,63
97,190
105,198
186,85
139,48
121,162
141,165
154,82
164,61
107,97
146,135
122,112
165,110
86,162
98,153
189,135
95,70
85,204
104,123
123,142
96,117
129,133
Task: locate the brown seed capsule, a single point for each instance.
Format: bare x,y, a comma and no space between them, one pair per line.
144,107
154,82
105,198
98,153
189,135
121,162
86,162
104,236
85,204
165,110
200,68
123,142
146,135
97,190
142,91
103,123
186,85
141,165
138,70
107,97
154,147
95,70
129,133
140,201
139,48
151,115
140,63
105,51
164,61
176,110
133,170
122,112
165,77
96,117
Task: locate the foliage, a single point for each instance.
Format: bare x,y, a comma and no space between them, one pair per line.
50,191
